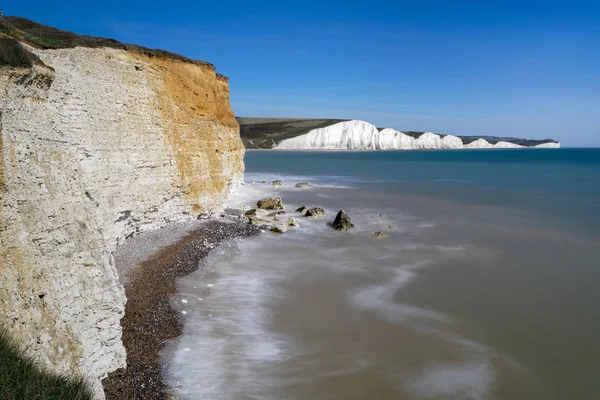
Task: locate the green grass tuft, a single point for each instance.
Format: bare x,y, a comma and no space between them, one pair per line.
15,55
22,379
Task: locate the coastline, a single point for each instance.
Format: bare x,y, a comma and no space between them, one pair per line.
149,318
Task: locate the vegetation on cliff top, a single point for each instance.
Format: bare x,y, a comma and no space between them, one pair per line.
262,133
47,37
22,379
13,54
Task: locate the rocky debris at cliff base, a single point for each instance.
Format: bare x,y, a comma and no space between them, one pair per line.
293,222
302,185
342,221
272,203
302,210
315,212
277,183
379,235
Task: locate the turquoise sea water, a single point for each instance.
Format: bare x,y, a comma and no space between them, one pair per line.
559,184
487,288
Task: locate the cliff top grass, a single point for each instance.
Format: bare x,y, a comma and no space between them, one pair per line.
262,133
13,54
21,378
46,37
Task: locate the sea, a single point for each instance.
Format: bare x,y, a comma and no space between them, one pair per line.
486,287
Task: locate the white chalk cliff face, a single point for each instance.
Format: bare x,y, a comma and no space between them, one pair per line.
361,135
100,144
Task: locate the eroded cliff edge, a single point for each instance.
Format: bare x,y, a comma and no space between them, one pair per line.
97,144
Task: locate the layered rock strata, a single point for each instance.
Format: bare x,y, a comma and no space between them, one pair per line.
96,145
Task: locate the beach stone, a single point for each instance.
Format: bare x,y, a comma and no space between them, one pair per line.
278,228
271,203
256,221
276,213
293,222
315,212
276,219
302,185
379,235
342,221
265,182
277,183
301,210
250,212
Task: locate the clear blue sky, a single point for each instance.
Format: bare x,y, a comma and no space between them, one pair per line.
519,68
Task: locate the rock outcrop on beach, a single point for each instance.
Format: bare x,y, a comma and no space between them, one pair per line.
315,212
361,135
342,221
96,145
272,203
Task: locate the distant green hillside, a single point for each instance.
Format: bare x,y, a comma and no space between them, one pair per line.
262,133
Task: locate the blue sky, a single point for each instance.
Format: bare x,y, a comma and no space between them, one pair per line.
516,68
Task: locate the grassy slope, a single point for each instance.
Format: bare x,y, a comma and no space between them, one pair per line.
262,133
46,37
22,379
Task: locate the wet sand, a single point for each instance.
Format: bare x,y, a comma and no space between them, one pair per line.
149,318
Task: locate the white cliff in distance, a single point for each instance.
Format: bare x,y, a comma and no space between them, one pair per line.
361,135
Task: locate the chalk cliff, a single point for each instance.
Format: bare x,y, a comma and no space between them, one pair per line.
96,145
361,135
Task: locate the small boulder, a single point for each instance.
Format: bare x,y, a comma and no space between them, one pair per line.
278,228
276,219
342,221
265,182
276,213
256,221
251,212
379,235
302,185
301,210
293,222
315,212
272,203
277,183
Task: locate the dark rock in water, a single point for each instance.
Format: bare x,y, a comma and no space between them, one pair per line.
379,235
272,203
265,182
342,221
276,213
301,210
315,212
293,222
250,212
277,183
302,185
